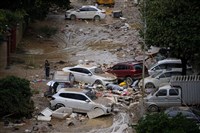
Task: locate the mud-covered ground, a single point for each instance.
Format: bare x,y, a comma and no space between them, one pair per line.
105,42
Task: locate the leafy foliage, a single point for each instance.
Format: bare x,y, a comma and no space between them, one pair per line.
9,19
173,24
13,11
15,97
160,123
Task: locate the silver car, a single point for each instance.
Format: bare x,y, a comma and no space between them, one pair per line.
77,99
86,12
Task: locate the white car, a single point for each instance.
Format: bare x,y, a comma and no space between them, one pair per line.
77,99
158,79
168,64
86,12
89,74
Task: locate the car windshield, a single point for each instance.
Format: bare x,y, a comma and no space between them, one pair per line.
156,74
153,65
97,70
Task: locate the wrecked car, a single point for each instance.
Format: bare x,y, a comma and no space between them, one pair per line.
77,99
128,71
89,74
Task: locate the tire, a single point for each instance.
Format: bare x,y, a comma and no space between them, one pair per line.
97,18
150,86
97,108
129,81
71,78
73,17
153,108
59,105
98,82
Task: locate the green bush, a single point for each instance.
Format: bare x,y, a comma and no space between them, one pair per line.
160,123
15,97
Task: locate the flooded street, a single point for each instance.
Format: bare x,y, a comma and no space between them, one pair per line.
105,42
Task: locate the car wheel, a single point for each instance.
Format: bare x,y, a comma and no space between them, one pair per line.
98,82
59,105
97,109
71,78
97,18
150,86
73,17
153,108
129,81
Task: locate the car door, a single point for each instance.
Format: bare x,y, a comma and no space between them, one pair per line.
174,97
77,72
116,70
138,71
82,103
161,98
82,13
91,12
87,76
159,68
164,78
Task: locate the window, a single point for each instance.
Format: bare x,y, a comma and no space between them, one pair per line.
83,9
173,92
73,96
137,67
162,93
116,67
174,65
123,67
120,67
165,75
159,67
65,95
176,73
85,71
92,9
80,97
76,69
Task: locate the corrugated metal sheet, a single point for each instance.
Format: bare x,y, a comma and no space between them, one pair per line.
190,85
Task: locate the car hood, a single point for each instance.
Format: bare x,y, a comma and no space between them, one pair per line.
107,75
71,10
66,69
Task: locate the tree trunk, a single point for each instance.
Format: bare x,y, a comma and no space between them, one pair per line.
184,66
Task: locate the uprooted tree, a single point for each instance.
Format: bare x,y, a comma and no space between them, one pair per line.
15,97
173,24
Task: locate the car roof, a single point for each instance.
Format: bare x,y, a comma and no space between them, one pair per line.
169,86
85,66
169,60
76,90
89,6
178,109
130,63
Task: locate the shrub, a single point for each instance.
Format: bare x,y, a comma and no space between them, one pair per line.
15,97
160,123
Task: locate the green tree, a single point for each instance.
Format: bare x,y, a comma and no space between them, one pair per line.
160,123
173,24
15,97
36,9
